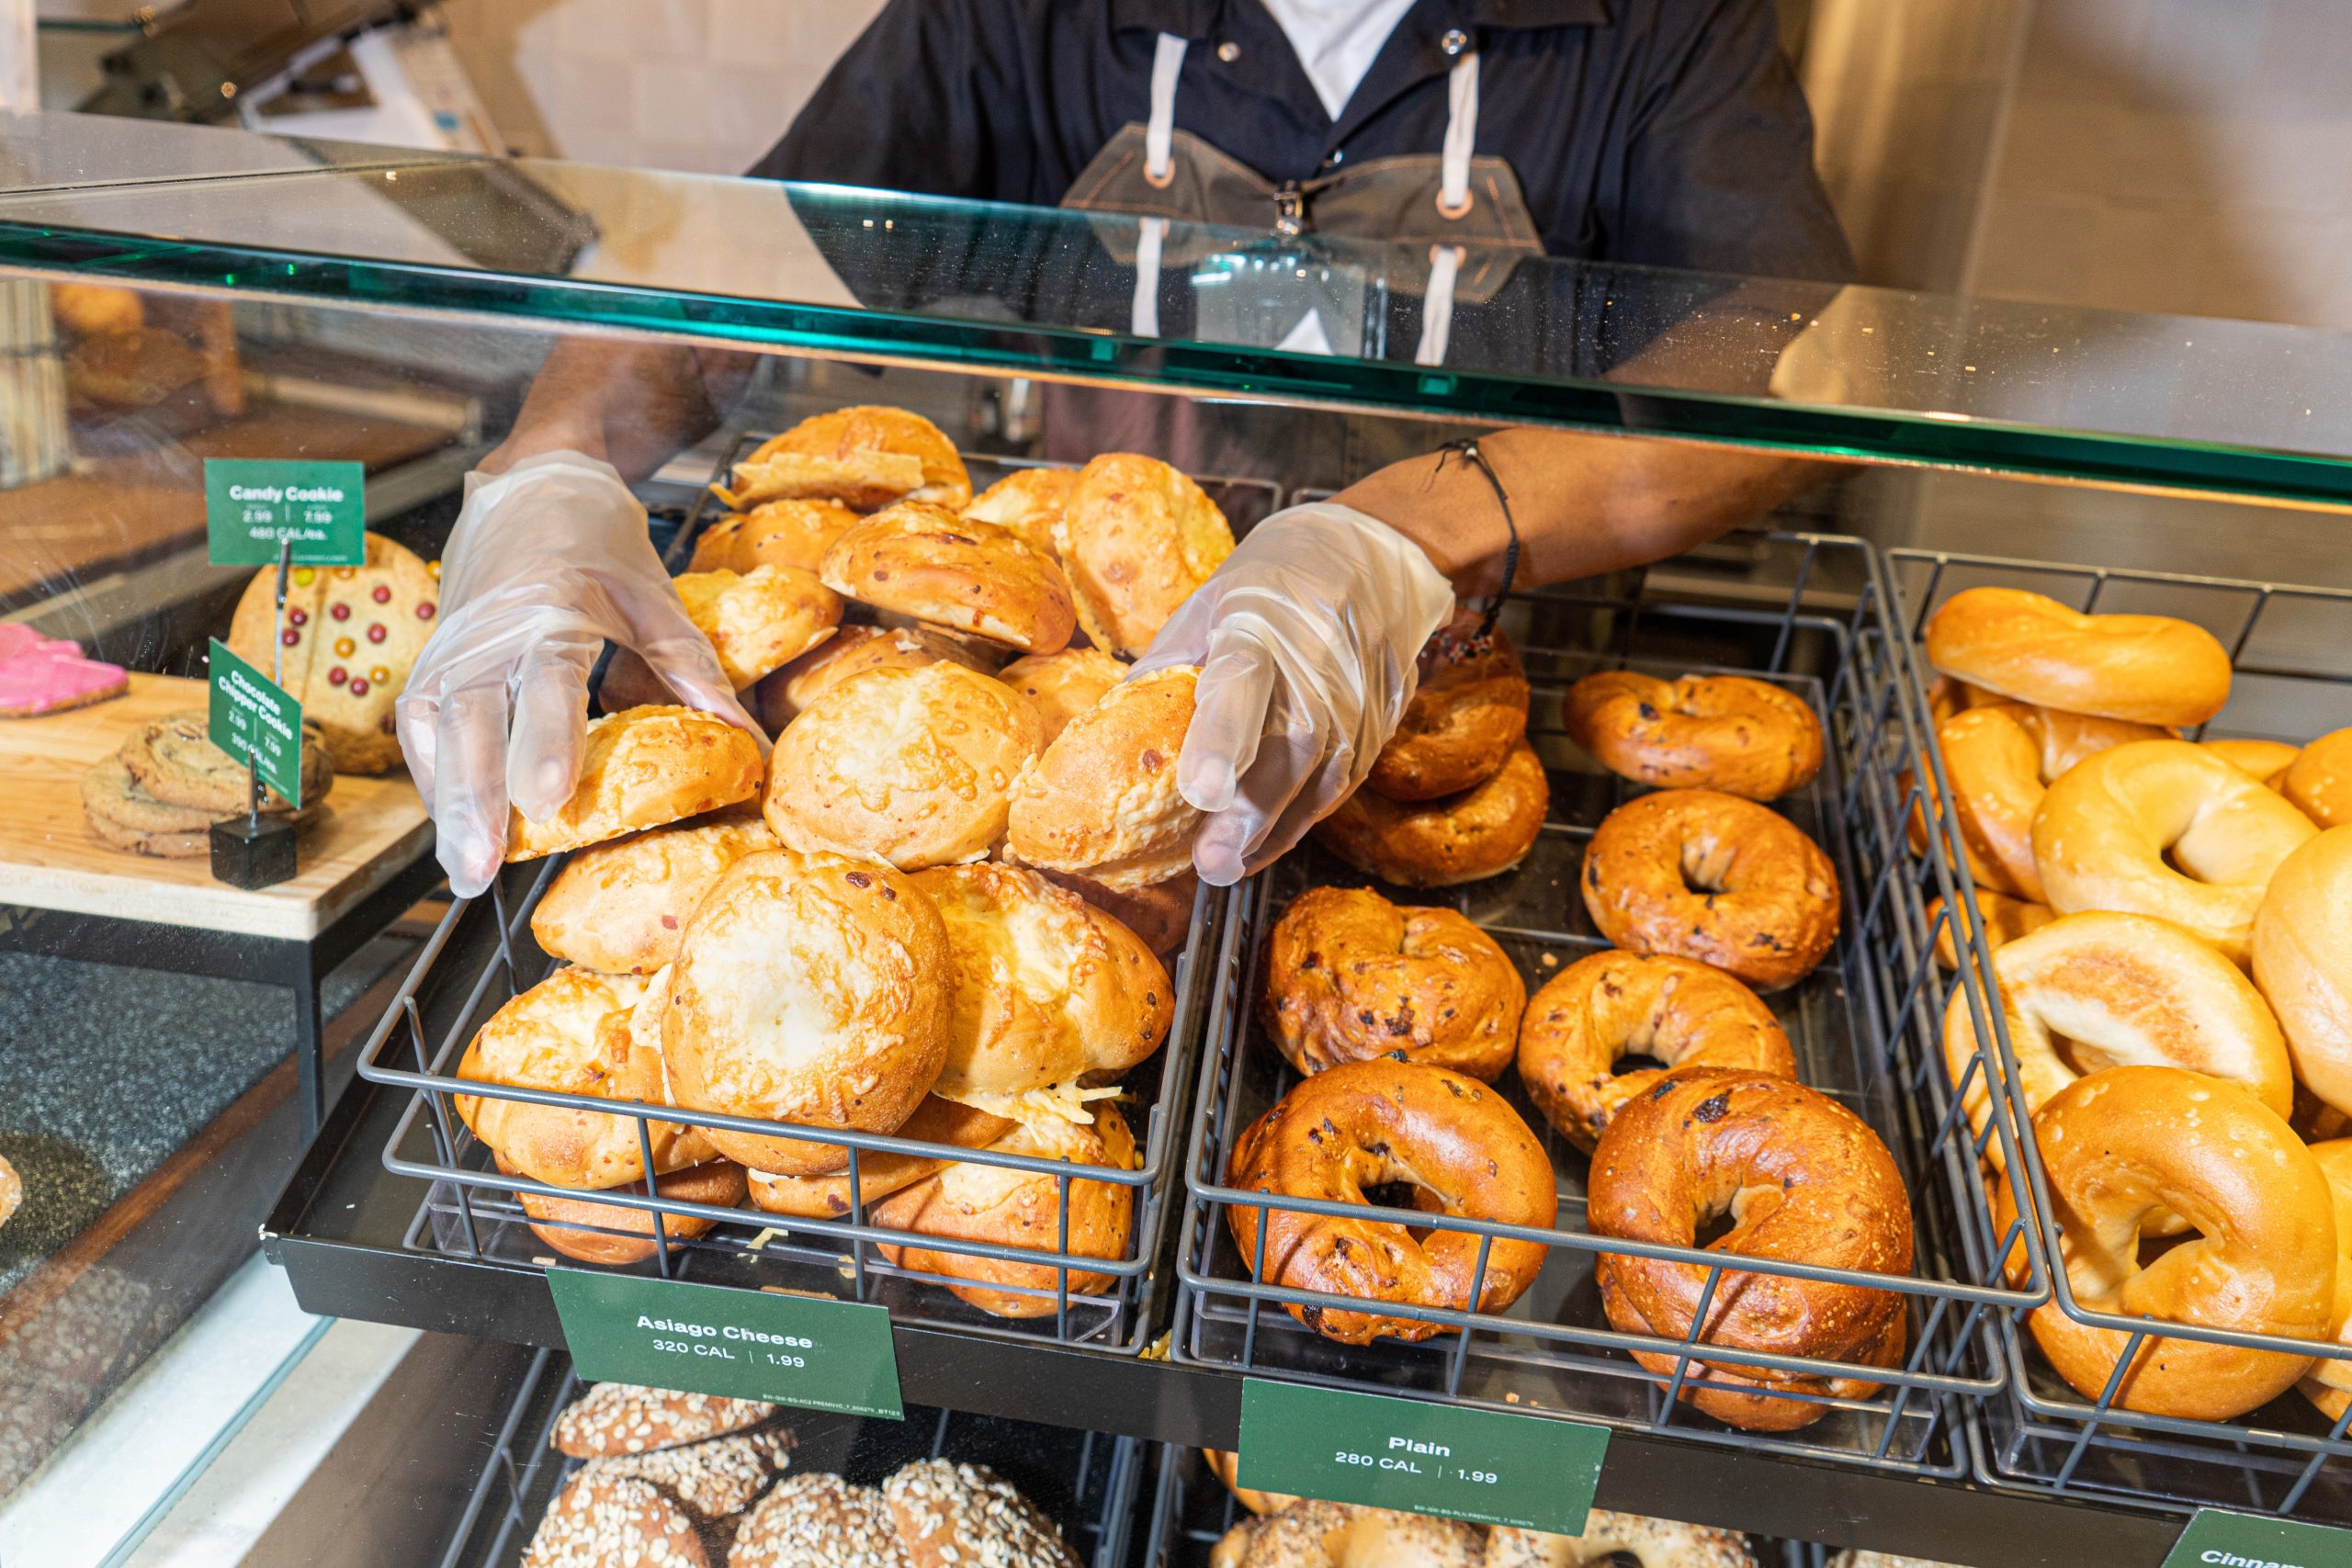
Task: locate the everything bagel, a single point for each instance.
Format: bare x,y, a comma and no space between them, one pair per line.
1805,1180
1711,876
1722,732
1364,1124
1618,1004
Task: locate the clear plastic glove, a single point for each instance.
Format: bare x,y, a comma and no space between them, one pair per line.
546,563
1306,638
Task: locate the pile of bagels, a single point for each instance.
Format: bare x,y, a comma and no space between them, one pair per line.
2170,927
939,908
1402,1022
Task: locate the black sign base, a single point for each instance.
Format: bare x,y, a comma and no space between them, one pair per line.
253,852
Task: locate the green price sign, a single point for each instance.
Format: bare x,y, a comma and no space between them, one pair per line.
2216,1539
1486,1466
251,715
809,1352
253,506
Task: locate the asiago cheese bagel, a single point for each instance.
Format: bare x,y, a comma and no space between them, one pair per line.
776,533
1136,537
640,768
808,988
1102,802
865,457
761,620
621,907
957,572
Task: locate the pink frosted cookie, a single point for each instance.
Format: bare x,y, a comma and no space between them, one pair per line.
41,674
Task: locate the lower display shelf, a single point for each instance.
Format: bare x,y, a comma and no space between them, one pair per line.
338,1231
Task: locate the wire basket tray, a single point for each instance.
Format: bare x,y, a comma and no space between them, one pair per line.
2293,681
1086,1482
472,1211
1811,613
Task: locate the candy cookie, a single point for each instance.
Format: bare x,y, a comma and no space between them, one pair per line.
352,634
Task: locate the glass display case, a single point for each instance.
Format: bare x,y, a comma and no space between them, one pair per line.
171,297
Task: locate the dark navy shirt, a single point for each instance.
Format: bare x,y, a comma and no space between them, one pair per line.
1661,132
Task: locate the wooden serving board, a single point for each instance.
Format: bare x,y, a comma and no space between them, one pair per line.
369,830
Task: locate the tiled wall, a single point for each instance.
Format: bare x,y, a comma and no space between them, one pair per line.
704,85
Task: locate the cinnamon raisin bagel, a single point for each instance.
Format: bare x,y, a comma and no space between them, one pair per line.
1364,1124
1468,710
2302,961
2123,1142
1308,1534
2005,920
1350,976
2001,758
2096,990
2148,669
1482,831
2319,780
2164,827
1804,1180
1712,876
1611,1005
1722,732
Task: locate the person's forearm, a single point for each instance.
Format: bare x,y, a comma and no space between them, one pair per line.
1583,504
634,405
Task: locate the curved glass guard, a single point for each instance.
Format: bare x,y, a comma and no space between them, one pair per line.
2173,402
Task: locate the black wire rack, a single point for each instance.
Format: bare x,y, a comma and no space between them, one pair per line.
2293,681
473,1212
1812,612
1086,1482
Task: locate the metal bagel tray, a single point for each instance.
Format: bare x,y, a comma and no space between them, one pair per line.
1086,1482
1811,613
473,1211
2292,682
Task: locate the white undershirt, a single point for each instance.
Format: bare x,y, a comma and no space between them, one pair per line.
1337,40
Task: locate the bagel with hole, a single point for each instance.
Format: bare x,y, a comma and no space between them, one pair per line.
2164,827
807,988
1729,733
1350,976
1803,1180
1100,802
1484,831
1714,878
2125,1141
2029,646
2097,990
865,457
945,570
1610,1005
1459,1145
2005,920
2266,759
2329,1386
2302,961
1468,712
641,768
1136,537
2000,759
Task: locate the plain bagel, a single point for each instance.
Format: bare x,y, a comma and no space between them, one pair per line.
2302,961
2148,669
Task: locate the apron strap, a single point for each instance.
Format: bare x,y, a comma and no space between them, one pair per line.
1144,312
1461,136
1159,162
1437,304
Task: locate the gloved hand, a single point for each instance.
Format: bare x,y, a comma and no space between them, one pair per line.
1306,638
547,561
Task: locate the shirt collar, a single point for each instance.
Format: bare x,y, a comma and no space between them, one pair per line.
1197,19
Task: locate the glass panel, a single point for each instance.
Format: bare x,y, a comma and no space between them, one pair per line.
46,151
2165,401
